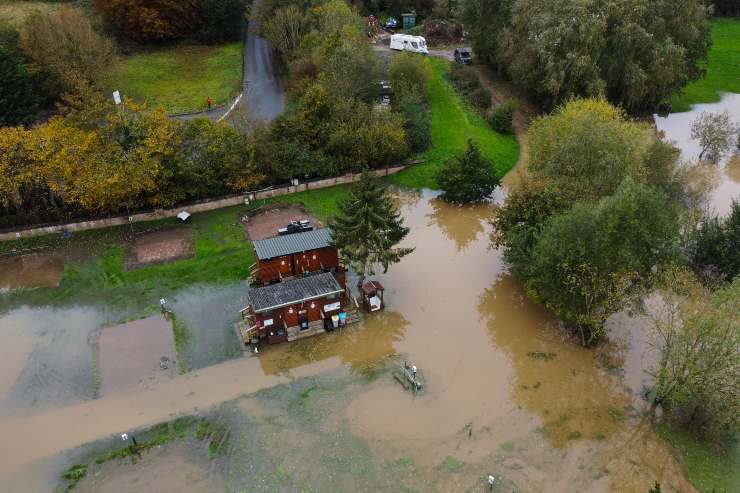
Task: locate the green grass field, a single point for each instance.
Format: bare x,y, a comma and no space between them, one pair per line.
453,123
181,77
723,69
709,472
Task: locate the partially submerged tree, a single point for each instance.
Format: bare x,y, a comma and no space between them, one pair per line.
717,245
467,177
697,378
368,228
716,134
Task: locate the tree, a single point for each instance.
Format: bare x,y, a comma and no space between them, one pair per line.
368,228
587,147
408,75
221,20
417,121
18,97
586,262
151,20
697,377
717,245
65,49
468,177
285,29
635,53
716,134
656,488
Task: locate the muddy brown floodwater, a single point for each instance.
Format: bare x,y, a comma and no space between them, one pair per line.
725,179
543,413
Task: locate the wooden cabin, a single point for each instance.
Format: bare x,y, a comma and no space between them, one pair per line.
284,257
295,308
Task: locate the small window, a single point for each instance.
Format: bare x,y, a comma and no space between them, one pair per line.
414,44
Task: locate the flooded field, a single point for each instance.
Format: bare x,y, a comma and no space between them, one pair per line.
508,392
138,353
725,176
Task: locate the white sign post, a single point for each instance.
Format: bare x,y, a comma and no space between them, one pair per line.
117,97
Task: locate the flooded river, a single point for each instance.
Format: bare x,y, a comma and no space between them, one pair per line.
724,176
508,392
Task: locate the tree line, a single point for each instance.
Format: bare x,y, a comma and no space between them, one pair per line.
95,158
608,215
632,52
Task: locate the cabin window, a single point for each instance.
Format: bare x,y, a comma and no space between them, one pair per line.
267,322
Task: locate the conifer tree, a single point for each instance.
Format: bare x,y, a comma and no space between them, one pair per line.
368,228
468,177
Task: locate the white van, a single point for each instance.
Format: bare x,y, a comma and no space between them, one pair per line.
406,42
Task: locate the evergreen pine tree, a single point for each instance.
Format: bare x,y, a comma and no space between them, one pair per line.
368,228
468,177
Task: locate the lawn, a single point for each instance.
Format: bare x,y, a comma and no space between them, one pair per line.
723,69
706,470
453,123
181,77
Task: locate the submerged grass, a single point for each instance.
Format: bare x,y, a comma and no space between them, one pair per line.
181,78
453,123
723,69
708,471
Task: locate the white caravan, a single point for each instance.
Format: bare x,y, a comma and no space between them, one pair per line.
406,42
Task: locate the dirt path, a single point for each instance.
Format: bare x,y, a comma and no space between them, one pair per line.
30,438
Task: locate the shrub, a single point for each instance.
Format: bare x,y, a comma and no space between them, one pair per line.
65,49
18,97
417,121
481,98
408,74
501,117
151,20
464,78
468,177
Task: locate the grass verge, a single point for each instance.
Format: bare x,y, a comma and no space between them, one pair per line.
723,69
181,77
709,472
453,123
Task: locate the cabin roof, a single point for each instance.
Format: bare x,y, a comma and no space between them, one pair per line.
293,243
293,291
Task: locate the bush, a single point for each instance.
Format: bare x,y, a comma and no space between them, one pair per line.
417,121
716,247
408,74
65,49
465,78
481,98
222,20
151,20
501,117
18,98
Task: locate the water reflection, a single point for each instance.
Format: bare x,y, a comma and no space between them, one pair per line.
677,128
553,377
462,225
364,347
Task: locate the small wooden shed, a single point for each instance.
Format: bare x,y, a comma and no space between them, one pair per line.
373,296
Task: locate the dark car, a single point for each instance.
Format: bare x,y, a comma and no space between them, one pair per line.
296,227
463,55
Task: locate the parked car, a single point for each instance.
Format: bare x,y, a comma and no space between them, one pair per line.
391,23
406,42
463,55
296,227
